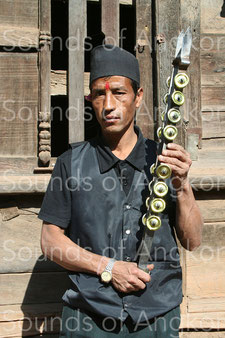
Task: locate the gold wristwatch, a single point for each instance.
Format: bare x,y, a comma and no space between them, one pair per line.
106,275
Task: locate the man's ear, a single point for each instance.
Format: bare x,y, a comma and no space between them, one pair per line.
88,98
139,97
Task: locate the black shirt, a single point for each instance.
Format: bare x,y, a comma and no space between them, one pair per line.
108,222
124,168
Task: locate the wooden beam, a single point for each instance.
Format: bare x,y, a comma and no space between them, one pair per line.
21,13
33,288
111,21
190,16
167,22
213,123
144,55
23,37
18,104
77,33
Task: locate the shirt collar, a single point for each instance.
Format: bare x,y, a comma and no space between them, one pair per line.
107,160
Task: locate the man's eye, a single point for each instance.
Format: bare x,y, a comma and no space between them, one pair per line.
99,94
119,93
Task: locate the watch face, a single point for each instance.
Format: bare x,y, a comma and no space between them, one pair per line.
106,276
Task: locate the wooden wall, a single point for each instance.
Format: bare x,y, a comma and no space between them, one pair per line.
31,288
204,285
19,77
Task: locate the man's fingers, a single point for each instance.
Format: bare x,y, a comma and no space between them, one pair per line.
174,146
150,267
144,276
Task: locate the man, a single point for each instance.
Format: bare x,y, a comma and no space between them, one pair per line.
97,195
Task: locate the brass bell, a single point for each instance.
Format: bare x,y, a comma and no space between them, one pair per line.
174,115
153,222
163,116
159,132
160,189
150,188
170,132
147,202
163,171
168,82
181,80
158,205
152,169
144,219
178,98
165,99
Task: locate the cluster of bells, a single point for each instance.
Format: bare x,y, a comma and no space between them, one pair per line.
155,203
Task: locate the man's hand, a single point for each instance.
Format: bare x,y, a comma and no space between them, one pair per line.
127,277
179,161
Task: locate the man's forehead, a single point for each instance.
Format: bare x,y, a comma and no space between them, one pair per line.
115,81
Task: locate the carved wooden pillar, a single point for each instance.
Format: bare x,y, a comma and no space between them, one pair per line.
111,21
45,73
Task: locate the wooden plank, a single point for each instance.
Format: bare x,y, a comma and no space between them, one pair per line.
207,304
77,27
19,103
22,37
28,327
145,118
213,143
20,165
204,178
212,210
110,26
211,20
33,288
203,334
16,312
17,253
212,60
22,13
212,155
190,14
204,322
167,21
167,26
213,99
58,82
213,123
10,184
205,266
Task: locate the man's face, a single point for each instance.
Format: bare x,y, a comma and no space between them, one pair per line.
114,103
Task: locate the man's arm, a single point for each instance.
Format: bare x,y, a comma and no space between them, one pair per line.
189,222
126,276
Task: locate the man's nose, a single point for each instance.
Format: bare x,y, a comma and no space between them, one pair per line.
110,102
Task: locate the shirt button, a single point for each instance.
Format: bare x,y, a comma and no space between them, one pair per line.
125,305
128,231
125,182
128,259
127,206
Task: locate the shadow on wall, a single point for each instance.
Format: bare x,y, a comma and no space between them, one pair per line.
42,304
222,13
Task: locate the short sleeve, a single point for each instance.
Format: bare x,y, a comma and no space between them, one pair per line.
56,206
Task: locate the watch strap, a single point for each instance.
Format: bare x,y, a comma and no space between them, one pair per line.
110,264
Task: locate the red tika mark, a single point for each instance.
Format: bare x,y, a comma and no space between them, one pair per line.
107,85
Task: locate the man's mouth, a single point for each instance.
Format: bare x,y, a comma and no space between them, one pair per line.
111,117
